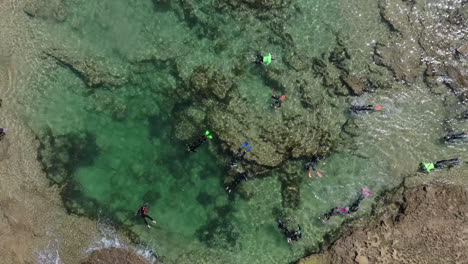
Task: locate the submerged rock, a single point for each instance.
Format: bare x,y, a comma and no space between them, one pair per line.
463,49
354,84
95,71
115,256
46,9
61,155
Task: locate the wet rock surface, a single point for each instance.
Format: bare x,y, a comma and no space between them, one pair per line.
114,256
425,224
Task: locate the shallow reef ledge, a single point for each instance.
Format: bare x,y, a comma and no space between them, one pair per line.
411,224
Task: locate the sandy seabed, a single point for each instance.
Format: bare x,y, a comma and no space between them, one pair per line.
32,218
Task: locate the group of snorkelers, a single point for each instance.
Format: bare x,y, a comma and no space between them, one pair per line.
292,234
450,138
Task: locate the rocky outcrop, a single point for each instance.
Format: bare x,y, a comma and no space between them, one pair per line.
46,9
426,41
114,256
95,71
425,224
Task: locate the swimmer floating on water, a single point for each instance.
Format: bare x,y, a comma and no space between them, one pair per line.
311,167
441,164
452,138
143,212
337,210
291,235
264,60
359,108
193,146
278,100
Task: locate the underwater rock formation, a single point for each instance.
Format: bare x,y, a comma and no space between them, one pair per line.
95,71
114,256
45,9
219,231
61,155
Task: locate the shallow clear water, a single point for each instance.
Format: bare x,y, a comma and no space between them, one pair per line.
139,159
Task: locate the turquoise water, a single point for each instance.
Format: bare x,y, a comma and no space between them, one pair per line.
134,152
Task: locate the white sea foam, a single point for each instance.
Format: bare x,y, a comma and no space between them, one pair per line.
51,254
107,237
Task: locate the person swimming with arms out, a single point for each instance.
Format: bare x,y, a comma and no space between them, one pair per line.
143,212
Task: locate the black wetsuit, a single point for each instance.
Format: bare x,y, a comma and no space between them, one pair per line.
236,159
442,164
296,235
357,108
283,227
240,178
277,102
355,206
143,212
334,211
193,147
258,59
312,163
2,133
455,137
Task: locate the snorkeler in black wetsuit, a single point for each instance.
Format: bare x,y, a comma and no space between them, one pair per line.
456,137
347,209
358,108
193,146
3,132
311,167
291,235
296,235
240,178
239,156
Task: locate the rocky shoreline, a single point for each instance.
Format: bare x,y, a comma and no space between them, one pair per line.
418,222
418,51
